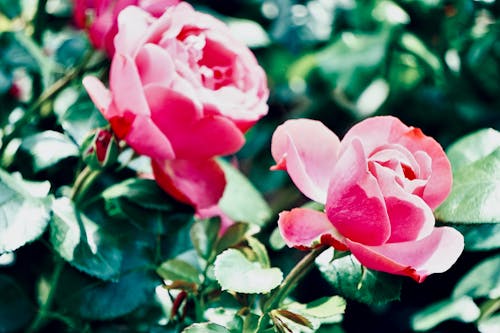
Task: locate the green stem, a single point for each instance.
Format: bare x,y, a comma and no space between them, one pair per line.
41,316
32,111
83,182
290,282
488,308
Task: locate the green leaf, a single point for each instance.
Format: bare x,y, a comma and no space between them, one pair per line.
83,243
77,114
324,307
260,251
226,317
203,235
235,272
473,147
241,201
234,235
16,310
24,210
352,280
463,309
482,281
47,148
475,194
294,317
480,237
143,192
178,270
145,205
94,299
206,328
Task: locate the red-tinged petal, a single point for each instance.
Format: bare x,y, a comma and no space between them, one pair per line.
126,86
99,94
199,183
434,254
378,131
305,228
191,135
309,150
411,218
155,65
133,23
355,204
146,139
439,184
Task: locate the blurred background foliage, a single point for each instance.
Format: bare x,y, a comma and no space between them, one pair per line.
433,63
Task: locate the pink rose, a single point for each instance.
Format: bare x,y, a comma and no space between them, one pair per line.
103,14
379,186
182,91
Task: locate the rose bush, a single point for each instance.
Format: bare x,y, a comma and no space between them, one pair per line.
379,186
100,17
182,91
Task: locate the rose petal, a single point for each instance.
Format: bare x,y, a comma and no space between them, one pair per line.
377,131
155,65
199,183
129,39
434,254
191,136
99,94
126,86
146,139
309,151
305,228
411,218
355,204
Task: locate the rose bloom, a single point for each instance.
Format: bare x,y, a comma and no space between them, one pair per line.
379,187
182,90
100,17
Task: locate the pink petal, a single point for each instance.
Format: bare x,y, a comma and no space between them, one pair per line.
146,139
305,228
155,65
309,151
411,218
440,181
99,94
434,254
126,86
191,136
133,23
199,183
378,131
355,204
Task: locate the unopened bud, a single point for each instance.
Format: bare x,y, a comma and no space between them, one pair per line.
100,149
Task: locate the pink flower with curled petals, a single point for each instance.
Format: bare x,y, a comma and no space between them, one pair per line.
379,186
182,90
100,18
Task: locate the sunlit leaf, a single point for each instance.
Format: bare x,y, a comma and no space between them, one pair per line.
206,328
236,273
482,281
83,243
24,211
463,309
47,148
241,201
